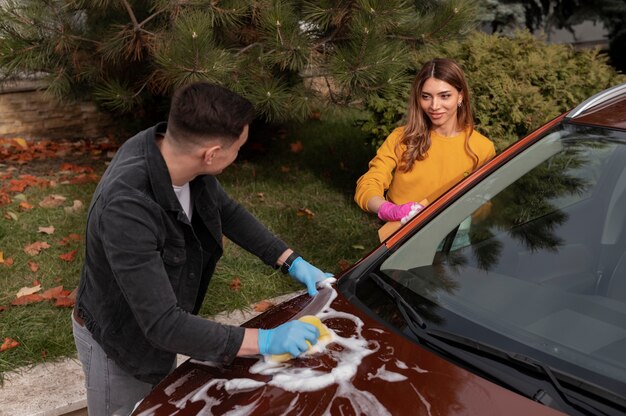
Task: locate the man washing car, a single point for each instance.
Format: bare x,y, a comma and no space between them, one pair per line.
154,236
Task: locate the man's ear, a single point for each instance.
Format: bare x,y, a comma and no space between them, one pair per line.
209,153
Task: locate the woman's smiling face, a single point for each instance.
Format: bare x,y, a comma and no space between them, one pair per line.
440,101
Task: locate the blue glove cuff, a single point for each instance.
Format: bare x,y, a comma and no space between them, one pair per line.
289,262
293,263
263,341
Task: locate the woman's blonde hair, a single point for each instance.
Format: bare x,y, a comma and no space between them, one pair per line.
416,136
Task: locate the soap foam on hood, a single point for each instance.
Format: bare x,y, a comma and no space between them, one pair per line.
288,377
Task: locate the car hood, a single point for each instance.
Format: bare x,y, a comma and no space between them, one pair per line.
367,368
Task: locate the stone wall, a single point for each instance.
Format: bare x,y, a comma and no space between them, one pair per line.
27,111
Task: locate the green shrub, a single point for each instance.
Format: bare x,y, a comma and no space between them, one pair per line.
517,84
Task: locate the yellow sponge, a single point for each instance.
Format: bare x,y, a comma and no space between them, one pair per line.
325,336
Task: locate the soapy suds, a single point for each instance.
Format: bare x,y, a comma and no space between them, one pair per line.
150,411
242,384
384,374
422,399
242,410
297,380
200,394
418,369
388,354
169,390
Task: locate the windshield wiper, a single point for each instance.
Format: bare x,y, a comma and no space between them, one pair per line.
540,395
411,316
443,341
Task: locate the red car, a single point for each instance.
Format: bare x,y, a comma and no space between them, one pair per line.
506,296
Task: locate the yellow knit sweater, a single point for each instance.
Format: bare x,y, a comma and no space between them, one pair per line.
446,163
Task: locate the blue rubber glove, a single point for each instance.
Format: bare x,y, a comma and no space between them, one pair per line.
289,337
307,274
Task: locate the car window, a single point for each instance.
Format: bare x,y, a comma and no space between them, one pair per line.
536,253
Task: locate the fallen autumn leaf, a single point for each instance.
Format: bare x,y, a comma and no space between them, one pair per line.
36,247
69,256
296,147
25,206
263,305
306,212
77,206
52,201
47,230
28,290
8,344
235,284
33,266
27,300
72,237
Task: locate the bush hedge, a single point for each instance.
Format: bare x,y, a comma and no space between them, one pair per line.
517,84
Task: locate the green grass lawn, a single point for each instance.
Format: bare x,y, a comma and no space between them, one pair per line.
275,183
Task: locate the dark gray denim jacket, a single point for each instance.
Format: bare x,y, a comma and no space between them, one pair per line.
147,268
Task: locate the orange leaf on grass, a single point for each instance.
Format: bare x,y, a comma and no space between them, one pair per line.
64,302
296,147
53,293
75,168
1,257
305,212
69,256
27,300
72,237
25,206
84,178
52,201
343,265
3,308
8,344
36,247
235,284
263,305
20,142
33,266
24,181
8,262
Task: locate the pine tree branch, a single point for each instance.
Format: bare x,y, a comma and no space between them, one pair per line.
248,47
131,14
440,28
330,91
152,16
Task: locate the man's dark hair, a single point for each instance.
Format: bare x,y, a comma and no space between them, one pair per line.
201,111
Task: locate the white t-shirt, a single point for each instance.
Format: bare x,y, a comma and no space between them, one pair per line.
184,197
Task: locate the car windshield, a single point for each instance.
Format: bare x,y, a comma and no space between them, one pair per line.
533,258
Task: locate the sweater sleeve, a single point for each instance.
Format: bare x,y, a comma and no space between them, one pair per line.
380,173
486,149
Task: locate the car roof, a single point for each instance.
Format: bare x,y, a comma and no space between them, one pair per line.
606,109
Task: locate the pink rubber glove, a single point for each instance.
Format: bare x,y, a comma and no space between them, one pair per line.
391,212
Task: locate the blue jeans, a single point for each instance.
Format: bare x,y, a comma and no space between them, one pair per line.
110,390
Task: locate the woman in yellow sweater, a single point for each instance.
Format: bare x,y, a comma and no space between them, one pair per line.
436,148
